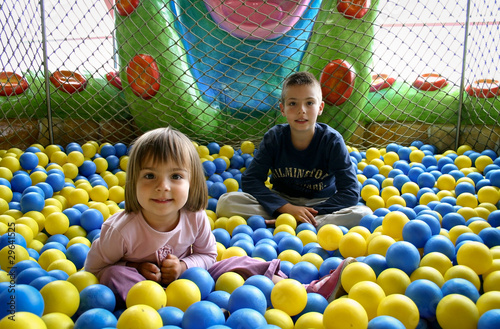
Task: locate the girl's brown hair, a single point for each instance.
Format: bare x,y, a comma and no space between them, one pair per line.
163,145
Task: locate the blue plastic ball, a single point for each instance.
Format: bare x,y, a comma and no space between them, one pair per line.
24,298
440,243
220,165
91,219
41,281
77,253
264,284
202,314
96,318
426,295
28,161
219,297
171,316
404,256
96,296
56,181
385,322
246,318
222,236
201,278
328,265
290,242
304,272
460,286
20,182
32,202
265,251
217,189
489,320
377,262
87,168
417,232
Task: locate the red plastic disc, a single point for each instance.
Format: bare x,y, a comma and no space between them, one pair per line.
353,9
12,84
381,81
126,7
143,76
337,82
114,79
430,82
484,88
68,81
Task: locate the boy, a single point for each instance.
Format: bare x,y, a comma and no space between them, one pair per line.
311,172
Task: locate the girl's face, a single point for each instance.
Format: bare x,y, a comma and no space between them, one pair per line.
162,190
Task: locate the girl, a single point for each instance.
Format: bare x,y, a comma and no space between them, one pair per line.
164,229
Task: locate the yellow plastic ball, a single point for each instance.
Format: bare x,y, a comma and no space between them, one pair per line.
369,294
427,198
467,200
286,219
284,228
12,254
463,272
6,193
226,151
428,273
279,318
147,292
488,301
229,281
356,272
488,194
82,279
23,320
99,193
380,244
446,182
345,313
56,223
393,223
375,202
10,163
247,147
290,296
492,282
58,321
60,296
463,161
372,153
234,221
78,196
400,307
233,251
475,255
393,281
329,236
49,256
456,311
482,161
312,258
64,265
369,190
38,177
410,187
307,236
139,316
290,255
231,184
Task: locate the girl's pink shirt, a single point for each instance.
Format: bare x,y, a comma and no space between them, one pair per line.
128,238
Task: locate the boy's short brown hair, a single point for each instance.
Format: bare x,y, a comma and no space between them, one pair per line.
162,145
298,79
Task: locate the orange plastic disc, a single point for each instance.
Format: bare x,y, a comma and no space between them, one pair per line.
114,79
12,84
484,88
430,82
381,81
68,81
143,76
353,9
337,82
126,7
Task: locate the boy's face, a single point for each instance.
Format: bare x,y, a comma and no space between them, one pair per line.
302,106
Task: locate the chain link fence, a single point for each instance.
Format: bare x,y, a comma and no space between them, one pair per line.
74,71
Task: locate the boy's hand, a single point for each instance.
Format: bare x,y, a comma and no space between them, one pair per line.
148,270
301,214
171,269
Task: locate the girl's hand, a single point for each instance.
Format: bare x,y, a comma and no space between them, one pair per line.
148,270
171,269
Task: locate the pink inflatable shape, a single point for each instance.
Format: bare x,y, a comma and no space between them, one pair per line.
256,19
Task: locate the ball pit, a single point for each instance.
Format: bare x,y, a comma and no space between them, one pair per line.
429,254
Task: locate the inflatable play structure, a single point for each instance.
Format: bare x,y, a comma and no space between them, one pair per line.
214,68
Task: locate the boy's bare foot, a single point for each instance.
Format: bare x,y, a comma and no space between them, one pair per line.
270,222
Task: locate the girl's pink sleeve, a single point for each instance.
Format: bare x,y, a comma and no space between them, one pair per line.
204,247
107,250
